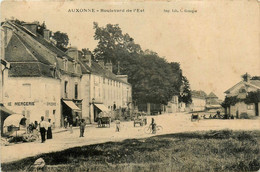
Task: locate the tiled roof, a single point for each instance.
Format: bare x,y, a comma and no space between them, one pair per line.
16,51
25,46
212,95
255,82
34,69
99,70
45,43
198,94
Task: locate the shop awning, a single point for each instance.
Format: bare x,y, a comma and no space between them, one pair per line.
5,110
14,120
102,107
72,105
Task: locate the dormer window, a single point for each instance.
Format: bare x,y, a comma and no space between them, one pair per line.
242,90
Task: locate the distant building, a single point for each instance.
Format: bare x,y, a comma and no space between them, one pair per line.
240,92
212,102
173,105
198,100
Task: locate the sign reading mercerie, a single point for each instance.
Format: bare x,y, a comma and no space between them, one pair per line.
24,103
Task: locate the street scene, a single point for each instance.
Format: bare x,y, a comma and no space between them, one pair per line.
93,92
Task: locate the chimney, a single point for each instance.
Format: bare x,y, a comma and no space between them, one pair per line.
246,77
31,27
46,34
101,63
86,58
73,52
109,66
123,77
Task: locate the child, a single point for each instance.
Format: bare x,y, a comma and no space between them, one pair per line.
117,125
153,126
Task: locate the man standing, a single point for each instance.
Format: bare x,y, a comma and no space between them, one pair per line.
43,128
65,122
82,127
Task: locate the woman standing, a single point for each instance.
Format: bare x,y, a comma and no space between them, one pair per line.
49,132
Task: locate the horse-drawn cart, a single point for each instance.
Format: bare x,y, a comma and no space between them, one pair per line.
104,121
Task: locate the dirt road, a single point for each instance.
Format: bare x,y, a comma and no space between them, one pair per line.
171,123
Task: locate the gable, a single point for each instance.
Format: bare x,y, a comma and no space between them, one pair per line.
17,52
240,88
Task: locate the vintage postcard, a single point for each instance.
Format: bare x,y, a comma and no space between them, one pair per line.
130,85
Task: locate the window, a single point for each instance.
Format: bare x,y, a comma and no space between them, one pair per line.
242,90
76,90
54,112
65,89
250,107
27,90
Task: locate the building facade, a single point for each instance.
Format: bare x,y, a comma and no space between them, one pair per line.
108,93
38,75
45,81
240,91
198,100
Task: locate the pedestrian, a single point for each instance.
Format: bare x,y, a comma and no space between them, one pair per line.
43,128
71,129
117,125
77,120
49,131
153,125
65,122
99,118
82,127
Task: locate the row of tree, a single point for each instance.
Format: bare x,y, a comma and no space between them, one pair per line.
153,79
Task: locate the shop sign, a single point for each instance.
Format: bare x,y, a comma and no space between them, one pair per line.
24,103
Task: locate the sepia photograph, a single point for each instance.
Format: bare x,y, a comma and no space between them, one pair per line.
130,86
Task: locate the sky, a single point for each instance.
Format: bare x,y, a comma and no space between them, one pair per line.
215,44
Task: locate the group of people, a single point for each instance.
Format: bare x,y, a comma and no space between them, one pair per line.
45,127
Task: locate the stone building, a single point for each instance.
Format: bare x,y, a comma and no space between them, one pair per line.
42,78
198,100
45,81
240,92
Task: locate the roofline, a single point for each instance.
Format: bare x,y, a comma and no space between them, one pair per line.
233,87
246,83
252,85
